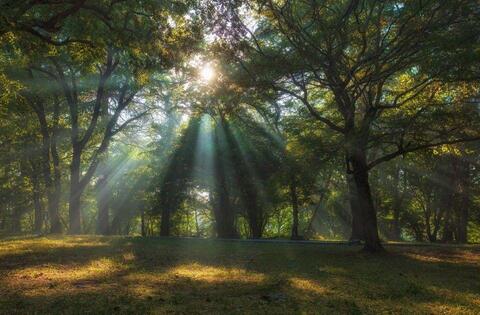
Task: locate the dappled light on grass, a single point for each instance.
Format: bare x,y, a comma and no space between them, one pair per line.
131,275
31,245
94,269
211,274
467,255
308,286
52,278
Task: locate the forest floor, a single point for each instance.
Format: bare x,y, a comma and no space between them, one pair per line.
110,275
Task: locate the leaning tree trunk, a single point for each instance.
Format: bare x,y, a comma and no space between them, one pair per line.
358,163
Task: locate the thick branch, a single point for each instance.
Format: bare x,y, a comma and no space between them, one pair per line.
403,150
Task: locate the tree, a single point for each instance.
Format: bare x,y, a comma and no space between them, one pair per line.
352,64
102,69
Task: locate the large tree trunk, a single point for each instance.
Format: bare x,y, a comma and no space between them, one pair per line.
165,222
448,228
52,187
247,184
294,202
357,222
358,166
222,207
256,226
224,217
254,211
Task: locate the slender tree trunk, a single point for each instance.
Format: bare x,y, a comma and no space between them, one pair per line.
142,218
54,204
103,197
431,237
37,202
75,193
294,202
397,204
396,224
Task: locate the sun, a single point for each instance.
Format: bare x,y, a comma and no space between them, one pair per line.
207,73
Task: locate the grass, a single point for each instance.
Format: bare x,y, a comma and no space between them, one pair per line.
100,275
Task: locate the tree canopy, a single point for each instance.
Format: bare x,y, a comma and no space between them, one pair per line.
355,119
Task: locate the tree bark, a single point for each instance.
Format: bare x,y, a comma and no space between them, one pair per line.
165,222
37,202
357,222
142,221
358,166
76,191
52,187
397,204
224,217
54,205
222,207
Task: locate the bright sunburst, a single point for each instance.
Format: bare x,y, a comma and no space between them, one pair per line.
207,72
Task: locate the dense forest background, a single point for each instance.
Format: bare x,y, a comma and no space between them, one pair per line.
299,119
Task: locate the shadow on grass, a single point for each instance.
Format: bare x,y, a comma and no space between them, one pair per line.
132,275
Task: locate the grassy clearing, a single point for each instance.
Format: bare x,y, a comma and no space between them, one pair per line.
131,275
